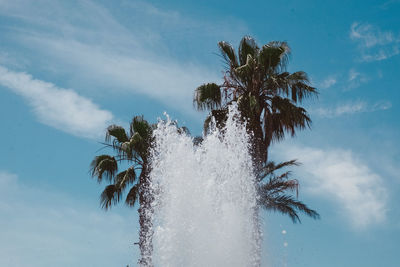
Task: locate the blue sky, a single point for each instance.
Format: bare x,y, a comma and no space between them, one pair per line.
70,68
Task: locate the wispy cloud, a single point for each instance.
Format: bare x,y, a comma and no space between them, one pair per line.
339,176
328,82
43,228
350,108
140,50
374,44
388,4
355,79
60,108
347,81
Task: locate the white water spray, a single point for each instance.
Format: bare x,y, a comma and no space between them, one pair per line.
205,198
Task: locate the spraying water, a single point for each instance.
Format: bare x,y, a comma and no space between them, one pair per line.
205,198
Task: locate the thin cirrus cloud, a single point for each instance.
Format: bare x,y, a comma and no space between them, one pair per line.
328,82
350,108
373,43
355,79
356,191
43,228
128,48
60,108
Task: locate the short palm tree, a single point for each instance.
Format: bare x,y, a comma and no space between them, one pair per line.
132,148
268,96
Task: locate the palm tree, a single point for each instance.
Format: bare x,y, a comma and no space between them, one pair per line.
269,99
134,149
268,96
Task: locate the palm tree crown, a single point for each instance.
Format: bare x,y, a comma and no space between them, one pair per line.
132,148
267,95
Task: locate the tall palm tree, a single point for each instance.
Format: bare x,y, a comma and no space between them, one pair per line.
268,96
269,100
132,148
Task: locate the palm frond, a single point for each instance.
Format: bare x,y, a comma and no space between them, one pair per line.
104,165
132,196
277,84
228,53
275,55
273,167
268,170
207,97
117,132
300,87
247,46
279,184
289,206
110,196
244,72
141,126
125,178
284,117
273,193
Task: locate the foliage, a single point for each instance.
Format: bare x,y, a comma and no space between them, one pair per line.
273,191
268,96
132,148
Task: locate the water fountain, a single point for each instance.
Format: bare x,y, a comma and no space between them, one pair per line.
205,198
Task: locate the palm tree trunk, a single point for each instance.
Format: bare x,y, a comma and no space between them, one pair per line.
259,149
145,219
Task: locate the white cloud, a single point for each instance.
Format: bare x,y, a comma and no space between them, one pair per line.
40,228
328,82
60,108
388,4
374,44
337,175
369,35
350,108
353,74
135,47
355,79
169,82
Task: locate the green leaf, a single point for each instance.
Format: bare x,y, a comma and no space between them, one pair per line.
141,126
228,53
300,87
125,178
104,165
117,132
110,196
287,205
207,96
132,196
247,46
284,117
